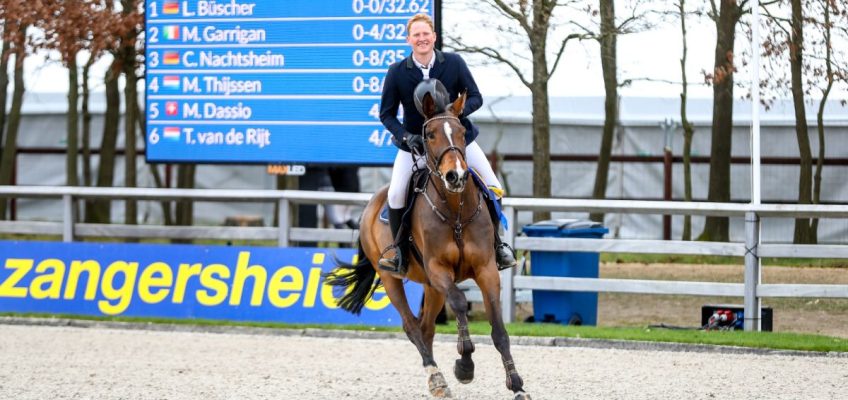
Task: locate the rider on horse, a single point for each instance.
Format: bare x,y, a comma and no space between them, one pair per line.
444,76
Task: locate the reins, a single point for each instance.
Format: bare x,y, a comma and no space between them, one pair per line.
432,167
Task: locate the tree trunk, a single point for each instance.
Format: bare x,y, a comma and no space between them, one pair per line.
541,119
86,124
541,147
609,66
185,208
828,60
154,171
4,87
796,66
130,101
717,228
10,148
98,211
688,129
71,160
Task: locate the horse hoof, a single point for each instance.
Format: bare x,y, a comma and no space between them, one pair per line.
439,386
522,396
464,373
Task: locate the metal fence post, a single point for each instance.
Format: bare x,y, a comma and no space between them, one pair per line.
67,218
283,218
753,275
507,284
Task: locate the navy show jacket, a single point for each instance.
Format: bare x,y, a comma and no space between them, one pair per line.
401,80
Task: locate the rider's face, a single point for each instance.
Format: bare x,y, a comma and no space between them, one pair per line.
421,38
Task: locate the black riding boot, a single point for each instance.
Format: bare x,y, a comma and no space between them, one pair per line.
397,263
504,255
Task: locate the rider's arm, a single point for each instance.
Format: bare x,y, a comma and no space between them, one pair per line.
474,99
389,103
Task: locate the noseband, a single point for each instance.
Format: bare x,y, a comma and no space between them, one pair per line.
434,169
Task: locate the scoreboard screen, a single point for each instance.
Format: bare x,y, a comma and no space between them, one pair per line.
272,81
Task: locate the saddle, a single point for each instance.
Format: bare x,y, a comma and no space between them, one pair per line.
419,181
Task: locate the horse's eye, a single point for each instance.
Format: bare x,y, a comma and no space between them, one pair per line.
430,135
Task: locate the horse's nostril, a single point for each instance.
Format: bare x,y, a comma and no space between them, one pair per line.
452,177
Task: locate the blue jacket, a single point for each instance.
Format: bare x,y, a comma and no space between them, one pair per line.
400,83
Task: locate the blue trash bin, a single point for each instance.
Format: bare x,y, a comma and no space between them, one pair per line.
575,308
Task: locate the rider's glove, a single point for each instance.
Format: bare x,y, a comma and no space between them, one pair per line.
414,142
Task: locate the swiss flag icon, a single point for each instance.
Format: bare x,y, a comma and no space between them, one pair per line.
171,108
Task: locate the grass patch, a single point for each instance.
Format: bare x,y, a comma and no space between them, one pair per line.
764,340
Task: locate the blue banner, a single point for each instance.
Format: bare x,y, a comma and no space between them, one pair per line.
183,281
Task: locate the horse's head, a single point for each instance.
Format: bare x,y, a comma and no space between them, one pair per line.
444,141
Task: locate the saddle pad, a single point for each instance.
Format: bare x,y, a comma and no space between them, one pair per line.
384,215
418,180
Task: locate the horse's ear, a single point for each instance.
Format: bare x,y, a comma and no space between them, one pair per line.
428,105
459,104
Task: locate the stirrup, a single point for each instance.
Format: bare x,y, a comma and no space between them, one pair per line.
508,259
393,265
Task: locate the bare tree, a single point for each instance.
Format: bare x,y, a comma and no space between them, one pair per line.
726,16
529,23
63,24
18,16
688,128
130,53
834,20
813,62
98,42
123,27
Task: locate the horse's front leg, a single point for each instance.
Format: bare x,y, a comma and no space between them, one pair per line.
490,286
436,382
464,367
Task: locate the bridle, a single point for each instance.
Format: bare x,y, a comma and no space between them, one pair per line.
433,163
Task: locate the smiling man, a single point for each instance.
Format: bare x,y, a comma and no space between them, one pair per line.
426,63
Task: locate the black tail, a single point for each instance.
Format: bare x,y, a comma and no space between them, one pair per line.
359,278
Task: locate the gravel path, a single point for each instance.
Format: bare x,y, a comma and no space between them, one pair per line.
48,362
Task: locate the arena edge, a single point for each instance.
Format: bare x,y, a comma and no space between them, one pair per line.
157,282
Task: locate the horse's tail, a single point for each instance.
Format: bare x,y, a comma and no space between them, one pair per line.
356,279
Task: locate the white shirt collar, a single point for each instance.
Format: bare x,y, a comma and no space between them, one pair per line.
426,68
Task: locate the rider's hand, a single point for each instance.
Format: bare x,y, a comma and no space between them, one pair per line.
414,142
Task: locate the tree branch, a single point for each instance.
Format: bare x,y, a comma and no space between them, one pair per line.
496,55
520,18
562,49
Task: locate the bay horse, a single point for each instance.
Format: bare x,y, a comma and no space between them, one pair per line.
452,239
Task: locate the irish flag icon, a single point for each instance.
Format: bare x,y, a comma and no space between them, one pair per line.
171,7
171,32
171,58
172,133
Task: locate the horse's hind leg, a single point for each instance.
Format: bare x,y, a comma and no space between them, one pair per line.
436,382
489,283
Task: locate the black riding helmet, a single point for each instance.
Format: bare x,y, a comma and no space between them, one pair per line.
437,91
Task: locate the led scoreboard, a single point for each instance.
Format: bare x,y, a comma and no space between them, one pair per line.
272,81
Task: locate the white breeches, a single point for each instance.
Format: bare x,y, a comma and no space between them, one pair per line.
402,172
